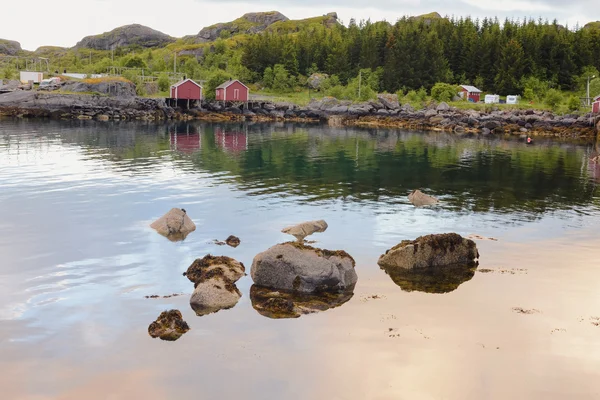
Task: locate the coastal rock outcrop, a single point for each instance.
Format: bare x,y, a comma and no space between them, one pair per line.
279,304
420,199
214,283
431,251
110,87
9,47
168,326
390,101
305,229
175,224
128,35
247,23
300,268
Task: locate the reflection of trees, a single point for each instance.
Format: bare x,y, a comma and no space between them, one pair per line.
315,162
431,280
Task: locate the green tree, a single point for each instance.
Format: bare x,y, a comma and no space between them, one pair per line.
510,68
135,62
444,91
163,83
573,104
553,98
216,78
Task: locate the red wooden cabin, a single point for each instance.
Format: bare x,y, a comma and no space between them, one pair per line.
470,93
186,90
233,90
596,107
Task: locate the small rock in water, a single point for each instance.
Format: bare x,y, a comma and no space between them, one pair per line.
420,199
168,326
233,241
175,225
520,310
305,229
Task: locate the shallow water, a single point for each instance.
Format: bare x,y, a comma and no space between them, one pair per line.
78,259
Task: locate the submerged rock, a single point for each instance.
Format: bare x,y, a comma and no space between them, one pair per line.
300,268
420,199
175,224
305,229
431,251
214,282
168,326
233,241
279,304
437,280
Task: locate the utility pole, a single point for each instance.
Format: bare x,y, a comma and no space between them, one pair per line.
359,83
175,63
588,89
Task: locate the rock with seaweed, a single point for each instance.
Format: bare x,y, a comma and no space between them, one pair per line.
214,283
175,224
233,241
300,268
169,326
279,304
420,199
431,251
305,229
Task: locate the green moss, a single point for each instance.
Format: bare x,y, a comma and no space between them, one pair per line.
168,326
200,270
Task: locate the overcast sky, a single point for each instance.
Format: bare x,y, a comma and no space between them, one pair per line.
37,23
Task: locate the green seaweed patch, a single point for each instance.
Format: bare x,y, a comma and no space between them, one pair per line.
322,252
435,280
169,326
280,304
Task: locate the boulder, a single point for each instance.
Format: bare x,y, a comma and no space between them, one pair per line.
305,229
233,241
443,106
316,80
408,108
431,251
279,304
420,199
175,224
390,101
303,269
214,283
430,113
210,266
168,326
10,47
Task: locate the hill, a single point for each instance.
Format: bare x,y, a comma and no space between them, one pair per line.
9,47
247,23
129,35
592,25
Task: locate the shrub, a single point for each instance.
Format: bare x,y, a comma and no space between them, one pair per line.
553,98
163,83
444,91
573,104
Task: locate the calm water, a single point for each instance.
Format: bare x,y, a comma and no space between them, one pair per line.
78,259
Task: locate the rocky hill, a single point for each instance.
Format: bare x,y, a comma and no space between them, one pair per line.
248,23
592,25
124,36
9,47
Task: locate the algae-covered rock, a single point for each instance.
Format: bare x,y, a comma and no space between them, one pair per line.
175,224
214,282
278,304
431,280
168,326
233,241
420,199
431,251
215,294
210,266
305,229
300,268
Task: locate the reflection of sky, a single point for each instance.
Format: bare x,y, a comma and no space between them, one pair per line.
78,258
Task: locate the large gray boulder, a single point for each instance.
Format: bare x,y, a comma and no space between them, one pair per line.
214,283
109,87
303,269
9,47
124,36
168,326
390,101
316,80
305,229
175,224
431,251
420,199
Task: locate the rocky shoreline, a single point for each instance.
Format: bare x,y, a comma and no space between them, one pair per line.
386,112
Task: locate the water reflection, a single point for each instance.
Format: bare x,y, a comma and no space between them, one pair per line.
279,304
436,280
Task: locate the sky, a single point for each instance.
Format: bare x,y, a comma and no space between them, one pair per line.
40,23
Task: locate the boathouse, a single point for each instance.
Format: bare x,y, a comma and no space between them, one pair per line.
232,90
186,90
470,93
596,107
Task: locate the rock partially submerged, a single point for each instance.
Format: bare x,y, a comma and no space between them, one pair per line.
214,282
420,199
300,268
168,326
233,241
437,280
431,251
305,229
279,304
175,224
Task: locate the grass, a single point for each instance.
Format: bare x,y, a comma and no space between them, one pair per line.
94,81
300,98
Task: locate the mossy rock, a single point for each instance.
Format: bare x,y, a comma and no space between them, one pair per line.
169,326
